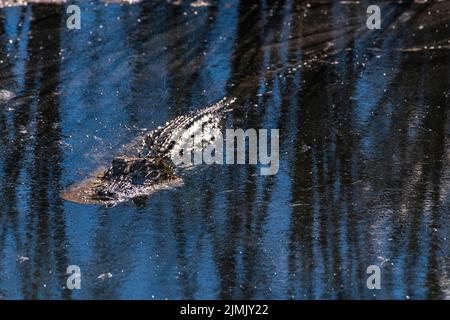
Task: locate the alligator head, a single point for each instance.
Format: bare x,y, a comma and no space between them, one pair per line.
129,177
125,178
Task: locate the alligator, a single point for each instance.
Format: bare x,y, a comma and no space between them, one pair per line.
133,176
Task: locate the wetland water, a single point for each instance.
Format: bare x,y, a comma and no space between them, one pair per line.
364,176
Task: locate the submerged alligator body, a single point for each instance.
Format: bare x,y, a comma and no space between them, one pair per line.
129,177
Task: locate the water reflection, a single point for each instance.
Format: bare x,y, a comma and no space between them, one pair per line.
364,170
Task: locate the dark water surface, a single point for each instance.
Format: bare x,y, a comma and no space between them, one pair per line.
364,126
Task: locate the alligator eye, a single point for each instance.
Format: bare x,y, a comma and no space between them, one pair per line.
171,145
154,175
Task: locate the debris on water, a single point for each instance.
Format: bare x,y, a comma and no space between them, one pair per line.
383,260
227,191
6,95
305,148
22,259
298,204
105,276
200,3
175,2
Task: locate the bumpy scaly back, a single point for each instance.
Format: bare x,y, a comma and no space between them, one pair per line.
174,135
